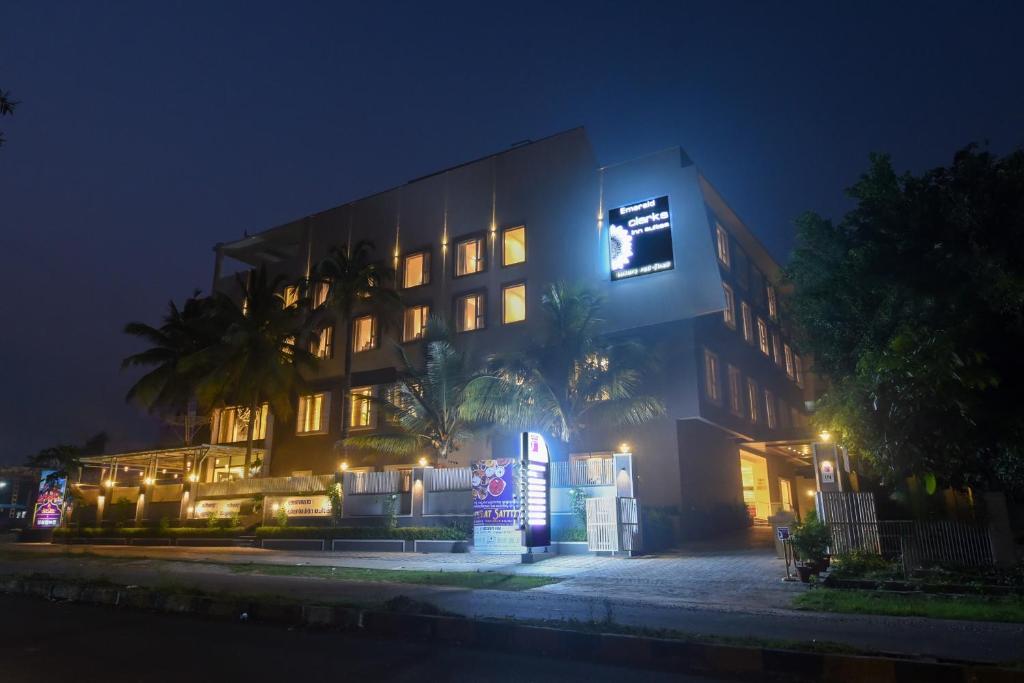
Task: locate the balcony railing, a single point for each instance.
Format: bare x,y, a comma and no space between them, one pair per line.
448,479
376,483
265,485
592,472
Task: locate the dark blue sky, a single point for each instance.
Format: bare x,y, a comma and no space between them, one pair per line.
149,131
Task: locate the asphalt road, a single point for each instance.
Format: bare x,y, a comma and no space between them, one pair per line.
61,641
935,638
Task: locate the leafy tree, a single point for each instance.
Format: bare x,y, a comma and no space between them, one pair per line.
7,107
913,308
422,409
356,281
67,458
570,380
167,389
255,358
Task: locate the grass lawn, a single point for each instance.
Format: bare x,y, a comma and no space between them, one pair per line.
489,580
970,607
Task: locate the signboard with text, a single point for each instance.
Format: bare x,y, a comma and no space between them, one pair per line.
536,483
640,238
49,507
495,505
221,509
307,506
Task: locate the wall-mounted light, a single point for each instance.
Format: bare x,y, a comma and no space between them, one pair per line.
343,466
275,507
423,462
623,447
3,484
109,483
149,481
810,493
824,436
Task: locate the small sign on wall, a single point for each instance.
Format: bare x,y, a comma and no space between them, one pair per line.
828,472
221,509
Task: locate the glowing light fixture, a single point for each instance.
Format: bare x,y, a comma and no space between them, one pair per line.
343,466
623,447
423,462
824,436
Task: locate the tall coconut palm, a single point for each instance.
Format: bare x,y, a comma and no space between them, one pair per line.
167,389
64,458
255,358
422,409
570,380
356,281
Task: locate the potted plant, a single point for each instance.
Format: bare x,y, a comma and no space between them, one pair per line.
810,541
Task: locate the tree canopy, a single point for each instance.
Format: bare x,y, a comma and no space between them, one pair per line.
912,306
7,107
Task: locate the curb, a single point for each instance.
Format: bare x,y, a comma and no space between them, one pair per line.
603,648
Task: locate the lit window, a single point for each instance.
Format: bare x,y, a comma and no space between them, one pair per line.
322,343
360,413
311,413
469,256
513,303
290,296
773,305
769,409
722,240
762,337
729,314
789,360
233,424
417,270
288,347
777,348
753,400
748,323
513,246
735,391
711,376
364,332
470,312
415,323
798,371
320,291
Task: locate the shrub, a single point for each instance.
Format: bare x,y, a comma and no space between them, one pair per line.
409,533
659,527
860,564
571,534
148,532
811,538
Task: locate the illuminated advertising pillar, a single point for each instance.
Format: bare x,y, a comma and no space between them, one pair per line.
535,484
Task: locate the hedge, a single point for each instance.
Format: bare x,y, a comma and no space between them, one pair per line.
148,532
409,533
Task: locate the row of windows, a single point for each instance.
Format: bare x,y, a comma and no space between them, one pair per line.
470,257
470,315
763,291
748,401
769,341
314,410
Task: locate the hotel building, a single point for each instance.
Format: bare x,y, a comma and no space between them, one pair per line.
478,243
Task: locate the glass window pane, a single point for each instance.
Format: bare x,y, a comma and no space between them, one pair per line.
415,272
470,257
514,304
365,337
513,246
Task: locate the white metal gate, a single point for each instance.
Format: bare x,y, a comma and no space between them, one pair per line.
613,524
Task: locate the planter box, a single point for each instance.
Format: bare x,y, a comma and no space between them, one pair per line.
98,541
440,546
390,545
292,544
214,542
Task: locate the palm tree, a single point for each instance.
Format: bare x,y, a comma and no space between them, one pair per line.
65,458
355,280
571,380
255,358
422,409
7,107
167,389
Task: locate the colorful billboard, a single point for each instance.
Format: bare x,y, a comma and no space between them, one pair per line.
640,238
49,506
495,505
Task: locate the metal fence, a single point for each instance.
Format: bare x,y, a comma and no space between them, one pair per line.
591,472
264,485
916,544
391,481
448,479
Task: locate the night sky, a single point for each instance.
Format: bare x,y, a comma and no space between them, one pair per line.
149,131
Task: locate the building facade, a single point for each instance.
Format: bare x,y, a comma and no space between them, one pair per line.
479,243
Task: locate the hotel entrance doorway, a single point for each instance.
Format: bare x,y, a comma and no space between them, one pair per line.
754,475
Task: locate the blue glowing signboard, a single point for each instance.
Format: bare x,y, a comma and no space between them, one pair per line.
640,238
535,485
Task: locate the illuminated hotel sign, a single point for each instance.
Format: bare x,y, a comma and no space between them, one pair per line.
534,486
49,506
640,238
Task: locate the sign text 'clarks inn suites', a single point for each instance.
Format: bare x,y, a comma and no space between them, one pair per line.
640,238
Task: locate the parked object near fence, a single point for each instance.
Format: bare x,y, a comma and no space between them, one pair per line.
613,525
